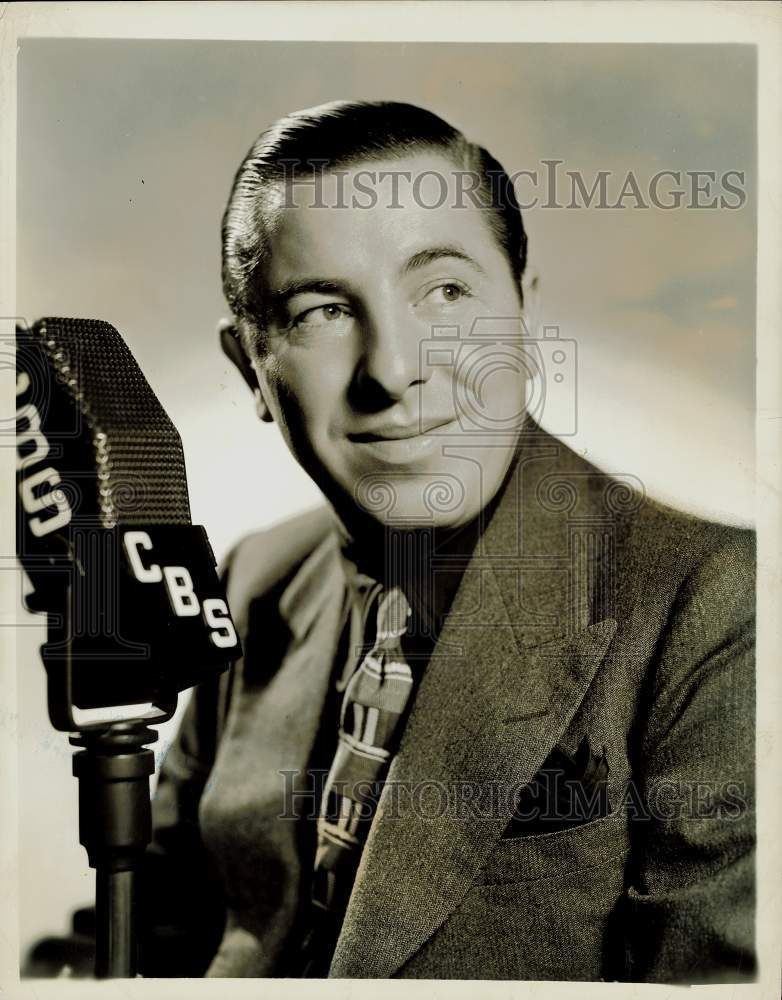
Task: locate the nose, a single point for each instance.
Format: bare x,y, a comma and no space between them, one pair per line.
391,360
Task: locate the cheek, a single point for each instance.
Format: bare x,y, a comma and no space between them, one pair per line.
491,365
306,395
490,383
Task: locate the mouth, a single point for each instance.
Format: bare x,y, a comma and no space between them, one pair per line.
395,445
395,432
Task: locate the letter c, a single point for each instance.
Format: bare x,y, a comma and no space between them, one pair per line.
133,541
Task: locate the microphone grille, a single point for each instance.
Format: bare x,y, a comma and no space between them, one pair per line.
141,476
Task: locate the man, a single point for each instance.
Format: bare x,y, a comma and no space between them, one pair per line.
495,714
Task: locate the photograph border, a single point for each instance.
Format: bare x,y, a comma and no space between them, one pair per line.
665,21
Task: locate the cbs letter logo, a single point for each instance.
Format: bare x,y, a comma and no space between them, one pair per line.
179,587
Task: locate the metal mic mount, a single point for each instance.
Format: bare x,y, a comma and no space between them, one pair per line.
171,629
115,826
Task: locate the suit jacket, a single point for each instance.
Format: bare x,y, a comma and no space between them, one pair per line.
587,610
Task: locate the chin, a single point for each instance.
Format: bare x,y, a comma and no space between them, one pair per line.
416,502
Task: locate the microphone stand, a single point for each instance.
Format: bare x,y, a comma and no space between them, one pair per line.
115,826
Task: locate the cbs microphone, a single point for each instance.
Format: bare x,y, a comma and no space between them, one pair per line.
136,611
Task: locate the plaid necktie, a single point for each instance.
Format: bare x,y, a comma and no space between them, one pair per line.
373,704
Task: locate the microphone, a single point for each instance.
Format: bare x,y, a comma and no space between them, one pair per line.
136,610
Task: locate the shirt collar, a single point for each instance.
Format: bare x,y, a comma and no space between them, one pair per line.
428,569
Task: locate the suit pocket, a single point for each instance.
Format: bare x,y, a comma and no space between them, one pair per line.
552,855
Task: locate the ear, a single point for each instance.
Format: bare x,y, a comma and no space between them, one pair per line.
263,411
231,343
531,292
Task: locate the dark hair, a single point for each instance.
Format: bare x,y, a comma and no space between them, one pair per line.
336,135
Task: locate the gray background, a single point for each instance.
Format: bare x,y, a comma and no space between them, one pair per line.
126,152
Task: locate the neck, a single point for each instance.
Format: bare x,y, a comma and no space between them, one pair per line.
427,563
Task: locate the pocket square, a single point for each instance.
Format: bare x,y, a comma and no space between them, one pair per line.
568,790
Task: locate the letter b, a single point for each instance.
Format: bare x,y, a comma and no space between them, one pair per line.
179,586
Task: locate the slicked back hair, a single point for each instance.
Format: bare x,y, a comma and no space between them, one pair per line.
329,137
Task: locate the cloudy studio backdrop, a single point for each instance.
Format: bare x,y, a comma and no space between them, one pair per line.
126,153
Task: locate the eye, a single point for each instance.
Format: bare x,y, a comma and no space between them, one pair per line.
447,293
323,315
451,292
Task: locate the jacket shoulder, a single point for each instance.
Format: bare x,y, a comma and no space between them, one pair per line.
262,562
694,542
644,522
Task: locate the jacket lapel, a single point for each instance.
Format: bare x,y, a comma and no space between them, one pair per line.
509,671
280,728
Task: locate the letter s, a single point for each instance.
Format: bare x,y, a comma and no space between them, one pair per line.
218,619
52,498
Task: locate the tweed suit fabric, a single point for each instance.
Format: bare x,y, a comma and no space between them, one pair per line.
587,610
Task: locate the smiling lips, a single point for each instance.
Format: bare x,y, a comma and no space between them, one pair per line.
397,444
397,432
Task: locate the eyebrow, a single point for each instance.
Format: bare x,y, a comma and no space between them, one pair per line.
432,254
322,286
325,286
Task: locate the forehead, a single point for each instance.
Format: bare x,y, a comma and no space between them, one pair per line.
374,215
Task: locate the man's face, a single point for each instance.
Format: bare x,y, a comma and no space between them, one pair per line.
383,389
